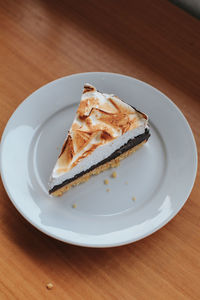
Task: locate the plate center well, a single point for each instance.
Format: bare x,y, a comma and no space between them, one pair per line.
138,176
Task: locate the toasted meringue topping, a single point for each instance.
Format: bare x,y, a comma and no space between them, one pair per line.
100,119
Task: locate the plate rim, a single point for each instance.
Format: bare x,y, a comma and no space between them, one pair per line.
117,243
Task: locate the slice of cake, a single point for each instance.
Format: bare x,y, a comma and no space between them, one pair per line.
104,131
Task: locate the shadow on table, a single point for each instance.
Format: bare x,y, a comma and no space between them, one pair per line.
56,255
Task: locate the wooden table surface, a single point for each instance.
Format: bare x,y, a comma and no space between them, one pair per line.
151,40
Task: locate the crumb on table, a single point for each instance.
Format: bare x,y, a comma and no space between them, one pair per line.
114,174
133,198
49,286
126,182
74,205
106,181
107,190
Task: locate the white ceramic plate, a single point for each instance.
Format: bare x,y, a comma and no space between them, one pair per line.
160,175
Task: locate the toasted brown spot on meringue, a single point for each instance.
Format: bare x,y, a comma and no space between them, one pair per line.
66,155
117,121
82,118
88,88
92,148
67,143
63,147
86,106
109,108
75,126
88,122
106,136
81,139
114,104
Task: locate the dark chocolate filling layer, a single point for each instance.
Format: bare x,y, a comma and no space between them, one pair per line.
130,144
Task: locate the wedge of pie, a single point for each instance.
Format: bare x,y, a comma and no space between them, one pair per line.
105,130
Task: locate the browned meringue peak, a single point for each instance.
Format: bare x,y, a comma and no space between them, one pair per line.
91,98
100,118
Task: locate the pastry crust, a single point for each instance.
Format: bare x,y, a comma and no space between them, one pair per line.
111,164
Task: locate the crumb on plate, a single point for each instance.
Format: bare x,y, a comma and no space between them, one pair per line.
74,205
114,174
107,190
106,181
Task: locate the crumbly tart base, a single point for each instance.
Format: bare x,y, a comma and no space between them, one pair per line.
110,164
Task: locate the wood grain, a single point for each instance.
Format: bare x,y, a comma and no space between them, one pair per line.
154,41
